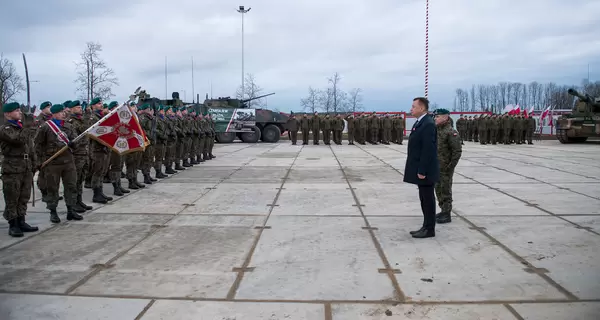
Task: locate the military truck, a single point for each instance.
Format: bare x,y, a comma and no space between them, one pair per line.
235,119
582,122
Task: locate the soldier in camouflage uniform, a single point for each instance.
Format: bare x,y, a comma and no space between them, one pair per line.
80,151
44,116
292,126
146,119
133,160
62,167
351,128
305,128
493,128
399,125
213,134
17,168
161,134
315,122
518,129
363,128
530,125
387,129
449,153
171,130
338,128
203,137
99,157
326,129
188,131
461,127
374,128
482,129
116,165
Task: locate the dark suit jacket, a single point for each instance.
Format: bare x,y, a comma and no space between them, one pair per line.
422,153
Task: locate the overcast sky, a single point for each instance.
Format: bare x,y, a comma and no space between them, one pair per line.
376,45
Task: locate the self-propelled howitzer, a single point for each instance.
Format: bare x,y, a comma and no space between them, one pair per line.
583,121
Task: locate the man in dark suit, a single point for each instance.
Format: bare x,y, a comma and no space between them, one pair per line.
422,167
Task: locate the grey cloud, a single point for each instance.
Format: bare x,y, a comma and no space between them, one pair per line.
375,45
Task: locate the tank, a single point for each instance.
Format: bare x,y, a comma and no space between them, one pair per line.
582,122
235,119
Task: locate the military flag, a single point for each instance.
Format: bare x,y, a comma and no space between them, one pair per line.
119,130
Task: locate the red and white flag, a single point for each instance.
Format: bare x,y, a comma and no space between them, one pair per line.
545,113
59,133
119,130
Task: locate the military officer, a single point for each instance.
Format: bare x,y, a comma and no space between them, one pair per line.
62,167
316,127
99,159
133,161
293,125
351,127
17,169
305,127
44,116
80,151
160,133
338,128
449,153
326,129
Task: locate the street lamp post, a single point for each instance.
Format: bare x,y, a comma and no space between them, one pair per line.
243,11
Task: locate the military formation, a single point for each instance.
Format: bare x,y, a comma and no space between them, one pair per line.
363,128
178,139
493,129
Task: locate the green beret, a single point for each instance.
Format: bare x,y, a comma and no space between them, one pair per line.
57,108
112,105
441,111
132,103
75,103
67,104
144,106
84,105
45,105
95,101
105,106
10,107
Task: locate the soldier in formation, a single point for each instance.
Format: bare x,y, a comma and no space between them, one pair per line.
495,128
86,162
293,124
449,148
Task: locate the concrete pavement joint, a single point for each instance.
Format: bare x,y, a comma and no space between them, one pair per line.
534,206
398,291
143,312
328,313
150,233
522,260
240,275
548,158
381,160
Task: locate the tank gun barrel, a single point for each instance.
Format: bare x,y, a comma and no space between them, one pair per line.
259,97
583,98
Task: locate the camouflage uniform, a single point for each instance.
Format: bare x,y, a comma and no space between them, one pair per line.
147,160
60,168
351,127
80,155
449,153
171,142
315,122
363,127
161,135
482,129
17,174
530,129
41,181
326,129
211,140
203,133
374,128
305,127
338,128
387,129
292,126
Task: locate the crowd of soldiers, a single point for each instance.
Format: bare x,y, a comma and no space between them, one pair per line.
363,128
178,138
495,128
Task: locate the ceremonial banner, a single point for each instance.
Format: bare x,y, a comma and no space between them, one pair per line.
59,134
120,131
146,140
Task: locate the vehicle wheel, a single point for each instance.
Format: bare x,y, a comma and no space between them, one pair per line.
271,133
251,137
225,137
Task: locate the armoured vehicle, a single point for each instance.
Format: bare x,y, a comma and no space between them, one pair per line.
235,119
583,121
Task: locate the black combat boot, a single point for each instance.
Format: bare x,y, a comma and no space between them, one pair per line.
169,169
123,175
72,215
98,197
82,204
44,195
14,230
199,158
116,189
133,185
106,179
123,189
444,217
25,227
159,174
105,196
147,179
54,216
78,208
137,183
211,156
186,163
178,166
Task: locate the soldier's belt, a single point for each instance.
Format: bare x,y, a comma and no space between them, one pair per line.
14,156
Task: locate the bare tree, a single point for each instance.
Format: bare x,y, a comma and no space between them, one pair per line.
11,82
94,78
326,99
355,100
251,91
311,102
338,97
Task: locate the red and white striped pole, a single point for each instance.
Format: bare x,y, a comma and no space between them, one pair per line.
427,49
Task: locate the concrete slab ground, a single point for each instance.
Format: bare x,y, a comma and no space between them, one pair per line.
275,231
